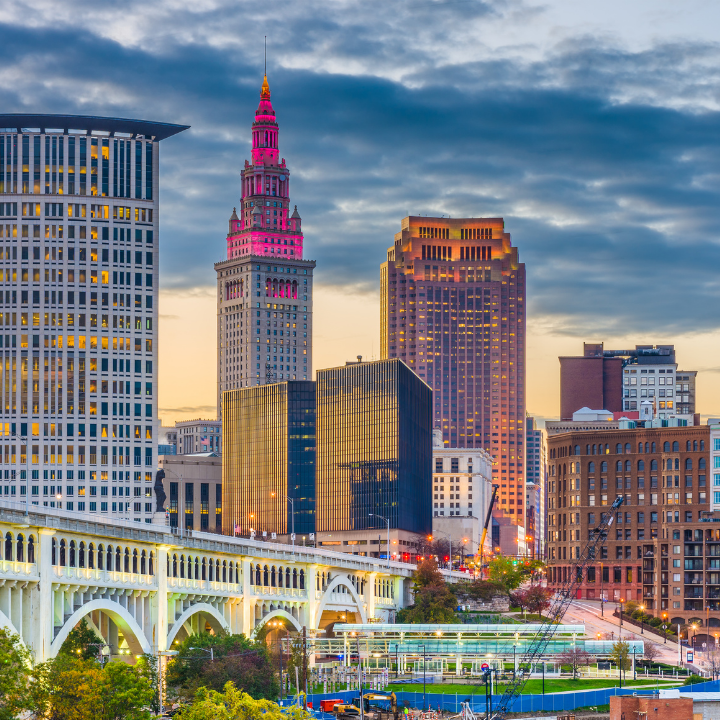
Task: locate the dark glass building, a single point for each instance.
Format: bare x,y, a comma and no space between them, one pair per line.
268,457
374,453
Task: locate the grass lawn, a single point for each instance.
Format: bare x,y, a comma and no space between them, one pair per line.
533,687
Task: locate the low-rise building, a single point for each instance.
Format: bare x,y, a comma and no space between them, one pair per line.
662,547
193,491
462,488
197,436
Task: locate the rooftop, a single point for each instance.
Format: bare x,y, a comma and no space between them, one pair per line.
89,124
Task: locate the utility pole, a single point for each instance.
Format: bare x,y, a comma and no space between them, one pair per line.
360,687
304,648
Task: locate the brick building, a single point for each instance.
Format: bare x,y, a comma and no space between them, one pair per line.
629,707
663,548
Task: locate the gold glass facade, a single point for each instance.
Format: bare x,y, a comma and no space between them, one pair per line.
268,457
374,447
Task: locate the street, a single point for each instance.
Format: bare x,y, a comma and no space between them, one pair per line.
587,612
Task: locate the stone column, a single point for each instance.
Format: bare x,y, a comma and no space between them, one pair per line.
160,602
44,628
370,594
247,610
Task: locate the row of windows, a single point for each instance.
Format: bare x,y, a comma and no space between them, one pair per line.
76,210
648,447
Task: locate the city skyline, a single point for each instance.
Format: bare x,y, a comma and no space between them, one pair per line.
599,113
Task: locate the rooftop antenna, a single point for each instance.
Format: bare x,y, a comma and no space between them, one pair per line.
266,55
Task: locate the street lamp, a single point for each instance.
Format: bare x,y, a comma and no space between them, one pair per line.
664,627
430,537
292,513
622,600
387,522
642,619
694,627
279,624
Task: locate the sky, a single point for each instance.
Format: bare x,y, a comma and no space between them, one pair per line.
592,128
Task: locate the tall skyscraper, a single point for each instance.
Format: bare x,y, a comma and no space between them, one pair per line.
264,286
453,308
78,346
536,487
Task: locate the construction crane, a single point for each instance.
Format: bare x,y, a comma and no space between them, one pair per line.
488,517
560,603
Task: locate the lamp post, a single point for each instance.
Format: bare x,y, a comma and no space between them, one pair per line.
622,600
278,625
642,619
450,547
387,522
664,627
424,680
292,513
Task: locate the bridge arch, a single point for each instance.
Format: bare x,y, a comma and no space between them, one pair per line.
215,618
277,613
6,623
336,583
134,636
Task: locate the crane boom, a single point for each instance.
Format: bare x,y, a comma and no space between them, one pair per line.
560,603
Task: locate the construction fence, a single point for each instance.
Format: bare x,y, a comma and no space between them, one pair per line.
550,702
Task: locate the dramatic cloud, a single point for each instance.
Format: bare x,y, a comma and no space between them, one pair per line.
601,158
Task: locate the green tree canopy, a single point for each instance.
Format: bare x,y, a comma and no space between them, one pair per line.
83,642
510,573
69,688
435,600
15,676
234,658
233,704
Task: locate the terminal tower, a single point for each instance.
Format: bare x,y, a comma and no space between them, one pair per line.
264,302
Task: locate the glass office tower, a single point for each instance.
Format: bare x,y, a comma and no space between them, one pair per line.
78,311
269,459
374,452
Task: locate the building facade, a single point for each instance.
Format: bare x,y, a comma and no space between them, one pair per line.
193,491
269,459
453,308
621,380
374,457
198,436
536,487
462,488
264,286
79,219
660,548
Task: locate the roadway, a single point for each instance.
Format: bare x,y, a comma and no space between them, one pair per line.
588,612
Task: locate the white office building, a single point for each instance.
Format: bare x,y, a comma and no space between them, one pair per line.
79,223
462,488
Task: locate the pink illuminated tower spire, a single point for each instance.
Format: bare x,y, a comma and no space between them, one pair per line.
265,225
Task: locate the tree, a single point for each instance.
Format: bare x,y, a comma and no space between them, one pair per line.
651,652
433,604
234,658
83,642
713,662
538,599
435,600
507,573
427,573
15,676
68,688
576,658
233,704
479,590
620,655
